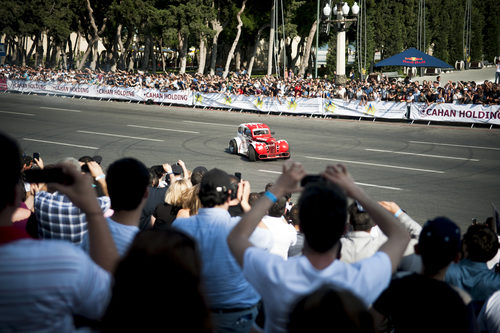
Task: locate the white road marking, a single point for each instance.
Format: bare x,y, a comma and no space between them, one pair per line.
60,143
362,184
204,123
380,186
19,113
163,129
120,136
453,145
374,164
58,109
270,171
424,155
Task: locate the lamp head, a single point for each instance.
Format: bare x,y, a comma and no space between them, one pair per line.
327,10
355,9
345,9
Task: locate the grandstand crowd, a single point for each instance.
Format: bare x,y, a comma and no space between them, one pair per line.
371,89
173,248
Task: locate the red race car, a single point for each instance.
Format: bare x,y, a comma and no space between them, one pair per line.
255,141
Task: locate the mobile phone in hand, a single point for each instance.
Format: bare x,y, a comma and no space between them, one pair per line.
51,175
36,156
310,179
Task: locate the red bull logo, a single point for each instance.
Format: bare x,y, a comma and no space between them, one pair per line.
413,60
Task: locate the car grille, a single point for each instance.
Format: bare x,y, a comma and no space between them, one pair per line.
271,148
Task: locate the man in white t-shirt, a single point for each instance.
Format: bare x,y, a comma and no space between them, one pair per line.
323,217
284,234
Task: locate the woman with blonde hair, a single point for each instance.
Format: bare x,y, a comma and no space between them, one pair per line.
191,202
165,213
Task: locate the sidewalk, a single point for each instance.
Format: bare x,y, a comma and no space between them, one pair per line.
476,75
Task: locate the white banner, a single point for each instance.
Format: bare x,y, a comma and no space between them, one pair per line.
389,110
466,113
469,113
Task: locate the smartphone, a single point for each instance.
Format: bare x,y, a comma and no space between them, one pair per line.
51,175
310,179
238,175
36,156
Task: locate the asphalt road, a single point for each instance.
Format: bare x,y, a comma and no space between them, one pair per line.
428,170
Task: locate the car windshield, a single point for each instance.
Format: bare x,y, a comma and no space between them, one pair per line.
260,132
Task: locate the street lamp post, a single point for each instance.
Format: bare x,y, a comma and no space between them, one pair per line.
341,11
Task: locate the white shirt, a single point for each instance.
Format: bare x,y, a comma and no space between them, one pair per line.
44,282
489,317
281,282
284,234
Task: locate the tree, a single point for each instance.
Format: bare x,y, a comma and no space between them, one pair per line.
236,39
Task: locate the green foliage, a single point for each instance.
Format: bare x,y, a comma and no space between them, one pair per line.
391,23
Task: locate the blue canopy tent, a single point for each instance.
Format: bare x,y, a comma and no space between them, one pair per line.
413,58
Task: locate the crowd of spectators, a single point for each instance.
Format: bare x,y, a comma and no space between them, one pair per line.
373,88
165,247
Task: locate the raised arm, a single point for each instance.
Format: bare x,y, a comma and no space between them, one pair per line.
398,237
102,246
288,182
411,225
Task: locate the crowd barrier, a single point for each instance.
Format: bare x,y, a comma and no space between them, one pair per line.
467,113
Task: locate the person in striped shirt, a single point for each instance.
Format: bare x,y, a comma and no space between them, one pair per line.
43,283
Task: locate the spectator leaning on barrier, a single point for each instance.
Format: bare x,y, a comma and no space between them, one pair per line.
44,282
323,215
232,300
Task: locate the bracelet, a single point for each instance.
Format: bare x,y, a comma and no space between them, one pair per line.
398,212
169,173
100,177
271,196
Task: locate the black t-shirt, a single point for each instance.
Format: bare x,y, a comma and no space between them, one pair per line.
416,303
165,215
156,196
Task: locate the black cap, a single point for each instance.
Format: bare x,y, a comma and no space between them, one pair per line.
440,234
215,180
176,169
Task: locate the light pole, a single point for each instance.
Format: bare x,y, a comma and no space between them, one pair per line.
341,11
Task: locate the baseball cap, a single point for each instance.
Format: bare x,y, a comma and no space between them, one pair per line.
176,169
440,236
215,180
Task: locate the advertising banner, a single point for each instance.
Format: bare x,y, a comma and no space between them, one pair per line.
465,113
468,113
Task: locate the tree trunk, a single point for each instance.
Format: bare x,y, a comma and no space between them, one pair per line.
183,45
299,53
213,59
95,56
49,53
39,51
95,38
32,48
202,55
147,50
22,51
236,39
270,52
305,60
237,58
153,57
255,47
64,57
125,50
116,48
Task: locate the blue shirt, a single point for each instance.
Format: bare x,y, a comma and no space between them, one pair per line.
224,283
473,277
122,234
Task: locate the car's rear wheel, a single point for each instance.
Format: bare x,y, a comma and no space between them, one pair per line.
233,148
252,155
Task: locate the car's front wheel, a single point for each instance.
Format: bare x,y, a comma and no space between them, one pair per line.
233,149
252,155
